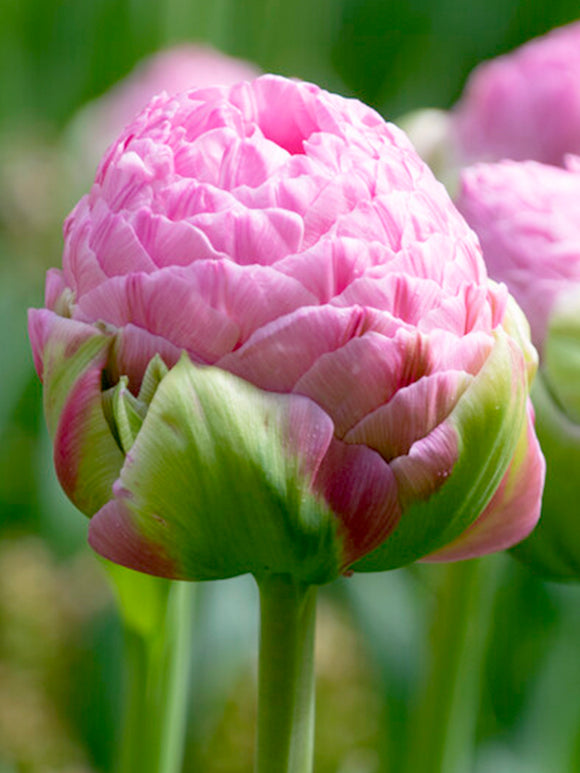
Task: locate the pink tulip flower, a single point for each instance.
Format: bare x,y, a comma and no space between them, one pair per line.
527,216
524,105
273,347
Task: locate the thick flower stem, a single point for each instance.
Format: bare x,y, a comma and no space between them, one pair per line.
442,735
285,739
157,654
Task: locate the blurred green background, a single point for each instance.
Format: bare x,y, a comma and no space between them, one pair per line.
57,54
60,642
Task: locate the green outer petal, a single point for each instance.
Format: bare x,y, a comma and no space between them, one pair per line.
87,458
124,413
213,489
553,548
487,419
61,368
154,375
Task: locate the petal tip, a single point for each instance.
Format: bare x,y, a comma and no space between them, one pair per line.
113,536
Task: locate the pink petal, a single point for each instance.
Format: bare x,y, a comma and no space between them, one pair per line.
201,159
328,268
172,243
54,287
277,355
183,198
116,244
361,489
113,535
251,296
421,472
308,432
229,162
81,269
365,373
412,413
128,184
205,111
266,99
461,313
405,297
462,261
252,236
294,190
338,197
165,305
467,353
134,350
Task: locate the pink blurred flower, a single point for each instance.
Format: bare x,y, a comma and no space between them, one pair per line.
355,390
524,105
527,217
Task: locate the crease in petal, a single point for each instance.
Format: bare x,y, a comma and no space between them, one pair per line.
251,296
54,288
427,464
328,268
252,236
170,243
407,298
116,245
277,355
356,379
413,413
81,269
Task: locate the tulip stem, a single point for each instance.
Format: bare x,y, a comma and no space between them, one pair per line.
442,735
285,739
157,663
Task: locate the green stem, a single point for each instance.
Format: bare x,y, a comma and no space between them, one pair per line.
441,739
285,740
157,619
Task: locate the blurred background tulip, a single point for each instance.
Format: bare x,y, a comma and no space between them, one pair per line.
60,640
527,216
523,105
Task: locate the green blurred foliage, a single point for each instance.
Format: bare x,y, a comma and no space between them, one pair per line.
57,54
60,641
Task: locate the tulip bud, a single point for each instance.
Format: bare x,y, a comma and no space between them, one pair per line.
273,348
